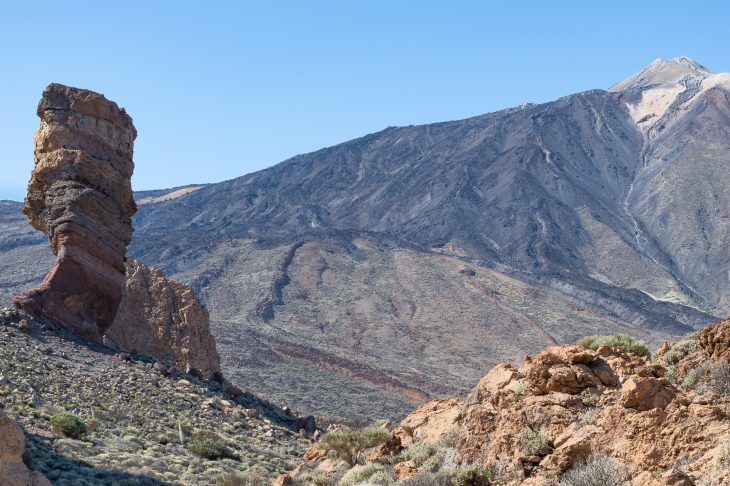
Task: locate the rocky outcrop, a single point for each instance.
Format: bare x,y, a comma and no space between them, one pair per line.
429,422
162,318
575,403
80,195
13,472
530,425
715,341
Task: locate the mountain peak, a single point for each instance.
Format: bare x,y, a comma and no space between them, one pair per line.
662,72
691,63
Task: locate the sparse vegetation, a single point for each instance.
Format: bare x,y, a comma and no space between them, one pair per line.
313,479
441,478
465,476
468,476
587,398
348,444
240,479
623,342
534,443
521,388
718,378
427,457
680,350
69,425
723,456
693,378
589,417
596,470
371,473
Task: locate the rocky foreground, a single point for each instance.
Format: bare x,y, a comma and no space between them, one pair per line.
139,423
612,414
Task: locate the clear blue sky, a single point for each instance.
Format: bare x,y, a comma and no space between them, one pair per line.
220,89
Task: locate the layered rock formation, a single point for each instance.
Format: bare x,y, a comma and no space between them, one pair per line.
80,195
13,472
163,318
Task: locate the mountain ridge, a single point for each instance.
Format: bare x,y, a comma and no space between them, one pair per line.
543,221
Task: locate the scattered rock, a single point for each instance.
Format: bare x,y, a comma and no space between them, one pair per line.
675,477
160,368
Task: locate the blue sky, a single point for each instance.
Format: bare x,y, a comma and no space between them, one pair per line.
220,89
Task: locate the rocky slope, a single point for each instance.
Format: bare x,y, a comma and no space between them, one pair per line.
607,205
569,406
142,423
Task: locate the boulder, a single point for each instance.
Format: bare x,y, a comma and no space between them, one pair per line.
13,472
715,341
429,422
162,318
403,471
645,393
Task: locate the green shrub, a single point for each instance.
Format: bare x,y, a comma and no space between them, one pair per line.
680,350
418,452
69,425
312,479
596,470
590,417
371,473
240,479
441,478
723,455
534,443
468,476
693,378
347,444
208,445
374,435
520,388
623,342
718,378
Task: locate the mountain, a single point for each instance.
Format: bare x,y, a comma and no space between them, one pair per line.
406,263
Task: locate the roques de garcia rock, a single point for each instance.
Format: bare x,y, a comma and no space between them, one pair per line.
80,195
